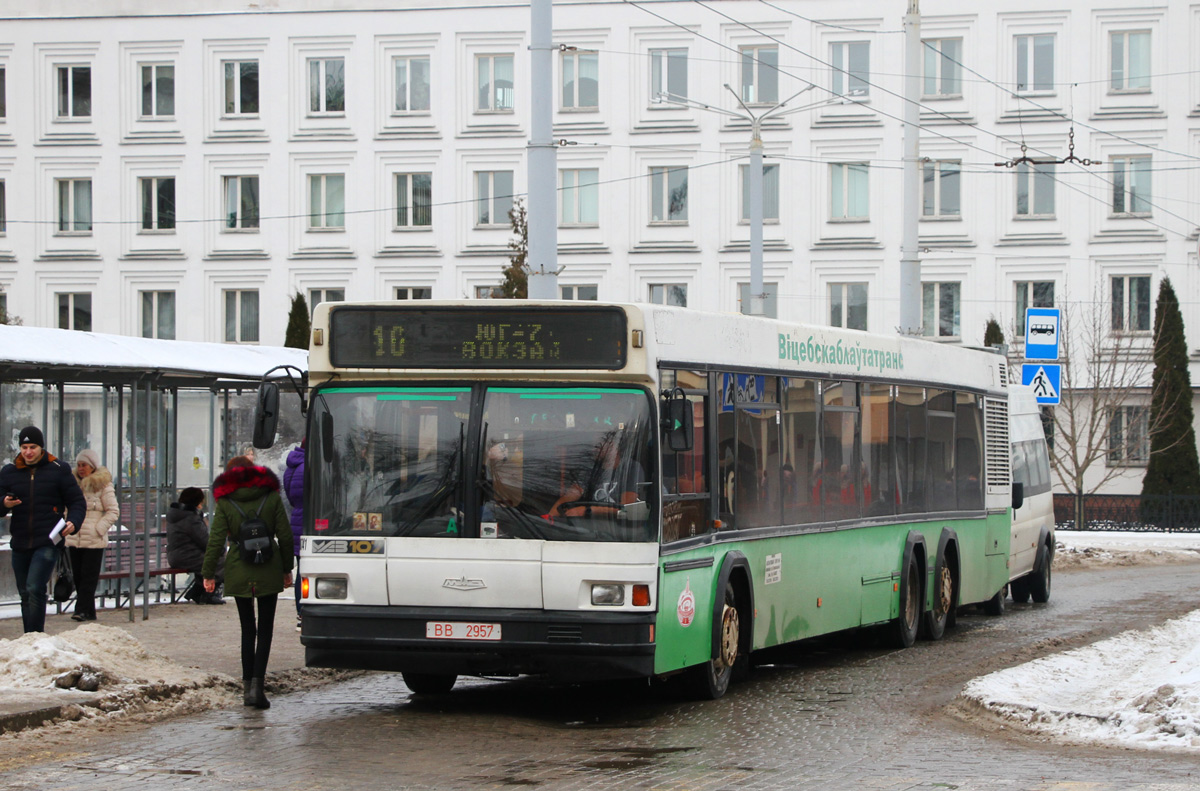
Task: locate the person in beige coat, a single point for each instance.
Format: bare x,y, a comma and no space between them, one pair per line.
87,544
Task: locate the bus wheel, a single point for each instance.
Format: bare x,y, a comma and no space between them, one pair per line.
1019,590
1039,583
711,679
429,683
935,620
995,605
909,618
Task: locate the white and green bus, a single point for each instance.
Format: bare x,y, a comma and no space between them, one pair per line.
600,491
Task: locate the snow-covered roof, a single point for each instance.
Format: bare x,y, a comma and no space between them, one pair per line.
74,356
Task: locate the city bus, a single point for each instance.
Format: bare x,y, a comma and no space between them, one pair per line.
596,491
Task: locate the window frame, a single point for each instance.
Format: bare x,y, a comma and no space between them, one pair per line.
939,169
752,53
235,83
72,185
843,295
1028,176
153,301
407,202
576,56
151,91
661,57
492,108
1127,305
1144,85
321,219
323,87
839,173
936,290
935,48
665,290
410,292
410,109
65,103
576,196
770,298
74,310
493,199
240,329
840,53
156,183
573,292
326,295
660,181
3,207
1029,64
1124,175
1026,296
1121,455
241,225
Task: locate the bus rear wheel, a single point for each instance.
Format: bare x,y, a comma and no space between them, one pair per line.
710,680
1039,581
429,683
909,619
995,605
936,620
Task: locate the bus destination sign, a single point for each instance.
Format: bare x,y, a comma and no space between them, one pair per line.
456,337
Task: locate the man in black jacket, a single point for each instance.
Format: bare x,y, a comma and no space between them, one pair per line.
39,490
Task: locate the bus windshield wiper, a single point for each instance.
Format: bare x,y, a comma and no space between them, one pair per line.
446,485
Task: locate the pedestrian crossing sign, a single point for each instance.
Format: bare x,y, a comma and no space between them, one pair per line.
1045,379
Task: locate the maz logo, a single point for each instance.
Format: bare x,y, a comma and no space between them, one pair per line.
464,584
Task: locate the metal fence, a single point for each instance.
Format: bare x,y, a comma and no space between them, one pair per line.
1168,513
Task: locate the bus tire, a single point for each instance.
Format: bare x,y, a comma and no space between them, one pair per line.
1039,580
945,586
710,680
429,683
995,605
1019,588
909,619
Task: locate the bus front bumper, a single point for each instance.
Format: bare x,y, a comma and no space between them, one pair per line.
574,645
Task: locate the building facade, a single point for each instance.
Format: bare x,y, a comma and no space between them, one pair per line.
182,173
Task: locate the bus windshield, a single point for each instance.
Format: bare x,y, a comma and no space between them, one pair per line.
556,464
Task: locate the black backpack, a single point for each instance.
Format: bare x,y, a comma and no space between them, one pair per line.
254,537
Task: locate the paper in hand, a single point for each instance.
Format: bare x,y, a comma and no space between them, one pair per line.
56,533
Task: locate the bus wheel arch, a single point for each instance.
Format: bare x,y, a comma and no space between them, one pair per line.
911,591
732,630
945,588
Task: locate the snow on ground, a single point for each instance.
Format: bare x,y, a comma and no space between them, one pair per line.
1138,689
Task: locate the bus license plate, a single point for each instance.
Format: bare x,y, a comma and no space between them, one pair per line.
458,630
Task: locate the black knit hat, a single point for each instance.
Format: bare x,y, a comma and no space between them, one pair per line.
32,434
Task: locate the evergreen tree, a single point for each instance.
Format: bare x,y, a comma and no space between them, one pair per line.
1173,467
516,274
298,326
993,335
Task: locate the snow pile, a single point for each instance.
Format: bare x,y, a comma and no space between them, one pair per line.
1138,689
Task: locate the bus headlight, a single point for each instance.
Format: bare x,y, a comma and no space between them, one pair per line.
608,595
331,588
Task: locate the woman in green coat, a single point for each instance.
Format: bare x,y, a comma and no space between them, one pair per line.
241,492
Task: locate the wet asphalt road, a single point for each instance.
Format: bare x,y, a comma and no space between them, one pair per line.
841,714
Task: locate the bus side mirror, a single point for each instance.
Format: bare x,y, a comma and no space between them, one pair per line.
677,424
1018,494
327,436
266,415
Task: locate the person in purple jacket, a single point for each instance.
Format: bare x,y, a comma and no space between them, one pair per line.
293,487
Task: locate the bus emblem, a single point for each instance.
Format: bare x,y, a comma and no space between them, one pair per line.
464,584
686,609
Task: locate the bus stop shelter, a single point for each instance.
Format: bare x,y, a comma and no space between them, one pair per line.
161,414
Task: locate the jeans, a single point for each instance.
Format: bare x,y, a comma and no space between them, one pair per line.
32,568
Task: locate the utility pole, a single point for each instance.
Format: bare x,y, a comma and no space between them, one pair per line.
910,263
543,157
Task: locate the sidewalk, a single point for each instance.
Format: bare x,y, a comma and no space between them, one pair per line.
206,637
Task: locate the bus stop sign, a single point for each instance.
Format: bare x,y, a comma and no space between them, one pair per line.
1041,333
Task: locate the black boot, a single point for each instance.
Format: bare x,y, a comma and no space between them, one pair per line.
247,692
259,694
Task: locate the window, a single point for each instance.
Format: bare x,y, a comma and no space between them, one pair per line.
1035,63
668,195
493,197
669,294
412,85
327,201
1033,294
943,74
158,90
75,312
158,315
941,190
770,299
74,205
74,91
241,316
580,80
494,75
241,87
940,309
318,295
579,197
668,73
1128,436
848,305
3,93
851,62
770,190
1131,303
3,208
1130,66
414,200
1035,190
326,86
409,292
585,293
158,204
241,202
489,292
760,75
1131,186
848,191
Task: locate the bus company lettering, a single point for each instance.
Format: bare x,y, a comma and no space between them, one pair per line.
509,341
342,546
839,353
686,609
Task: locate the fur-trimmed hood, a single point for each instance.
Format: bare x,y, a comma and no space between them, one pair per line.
95,482
230,481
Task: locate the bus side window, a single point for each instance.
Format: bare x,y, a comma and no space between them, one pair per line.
684,482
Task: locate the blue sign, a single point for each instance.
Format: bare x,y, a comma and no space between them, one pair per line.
1041,333
1045,379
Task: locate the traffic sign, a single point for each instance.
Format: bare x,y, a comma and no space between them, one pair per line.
1041,333
1045,379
